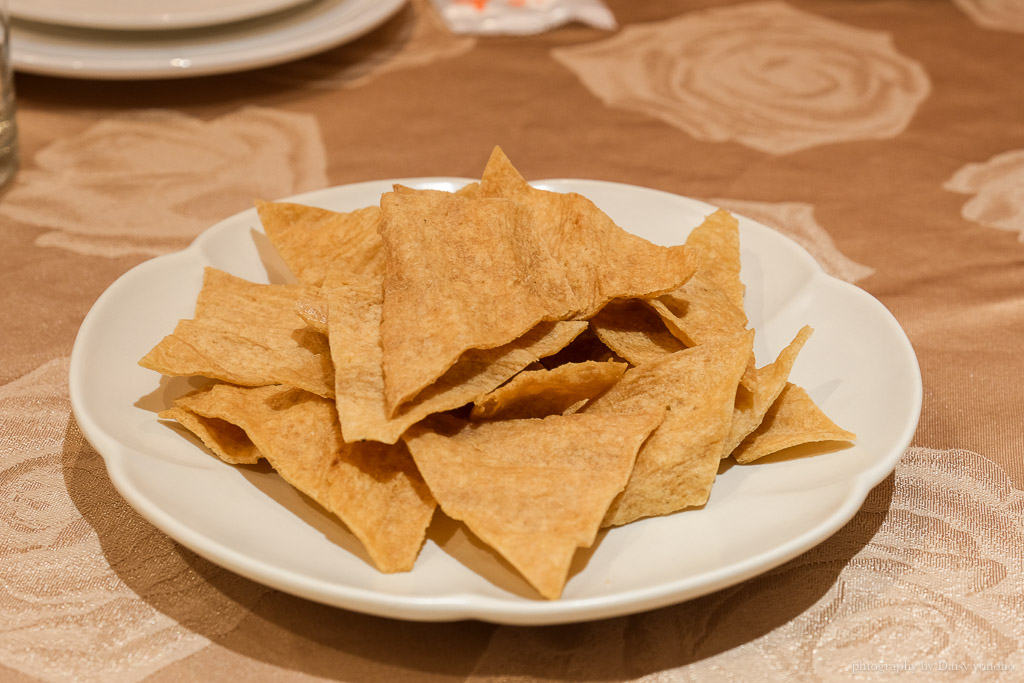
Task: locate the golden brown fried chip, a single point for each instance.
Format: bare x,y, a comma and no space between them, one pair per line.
375,489
248,334
471,190
710,304
635,332
601,260
607,375
355,307
717,240
227,297
444,295
792,420
312,240
749,379
229,442
312,308
533,490
678,464
539,393
770,380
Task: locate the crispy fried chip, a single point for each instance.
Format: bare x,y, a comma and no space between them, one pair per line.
710,304
792,420
600,258
505,352
533,490
249,334
471,190
770,380
312,240
749,379
354,315
228,441
539,393
717,240
444,295
632,330
312,308
678,464
375,489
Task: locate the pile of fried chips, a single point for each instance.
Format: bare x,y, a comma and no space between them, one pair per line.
506,353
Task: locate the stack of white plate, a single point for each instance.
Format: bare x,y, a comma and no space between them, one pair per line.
136,39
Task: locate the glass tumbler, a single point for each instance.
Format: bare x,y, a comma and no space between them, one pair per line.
8,128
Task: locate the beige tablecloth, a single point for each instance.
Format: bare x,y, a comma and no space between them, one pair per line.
888,137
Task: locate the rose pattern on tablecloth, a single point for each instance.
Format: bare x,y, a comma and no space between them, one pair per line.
930,574
416,37
148,182
763,74
997,186
67,614
1000,15
796,220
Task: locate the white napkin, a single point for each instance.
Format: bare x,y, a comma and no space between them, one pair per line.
520,17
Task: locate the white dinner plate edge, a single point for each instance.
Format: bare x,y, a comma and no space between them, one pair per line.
121,65
173,19
449,607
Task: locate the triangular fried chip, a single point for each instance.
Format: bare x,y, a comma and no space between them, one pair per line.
375,489
710,304
770,380
228,441
471,190
601,260
248,334
533,490
312,308
635,332
717,240
793,420
749,379
312,240
539,393
443,297
354,320
678,464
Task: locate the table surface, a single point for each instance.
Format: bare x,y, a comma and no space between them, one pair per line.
888,136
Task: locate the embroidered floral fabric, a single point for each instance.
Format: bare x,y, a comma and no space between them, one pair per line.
883,137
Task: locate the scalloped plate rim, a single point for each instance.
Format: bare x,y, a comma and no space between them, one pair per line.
510,609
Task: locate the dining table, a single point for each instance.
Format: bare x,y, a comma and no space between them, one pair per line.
883,138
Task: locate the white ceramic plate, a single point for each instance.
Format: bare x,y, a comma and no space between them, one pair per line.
128,55
143,14
858,365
